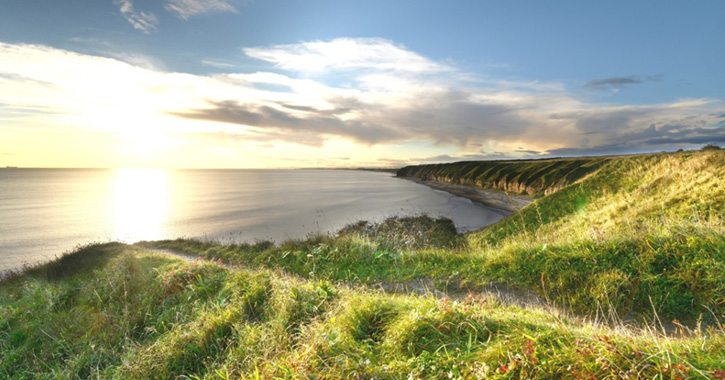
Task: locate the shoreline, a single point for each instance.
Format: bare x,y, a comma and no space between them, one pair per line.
496,200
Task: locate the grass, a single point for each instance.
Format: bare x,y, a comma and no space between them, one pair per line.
530,177
639,240
141,315
642,235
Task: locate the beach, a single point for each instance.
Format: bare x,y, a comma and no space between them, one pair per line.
499,201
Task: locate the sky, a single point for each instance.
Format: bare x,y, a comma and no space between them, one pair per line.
338,83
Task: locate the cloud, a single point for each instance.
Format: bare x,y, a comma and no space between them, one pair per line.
447,158
670,131
444,118
618,83
378,109
218,64
186,9
346,54
603,150
319,123
146,22
703,139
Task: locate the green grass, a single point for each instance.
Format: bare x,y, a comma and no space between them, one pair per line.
136,314
639,240
641,236
530,177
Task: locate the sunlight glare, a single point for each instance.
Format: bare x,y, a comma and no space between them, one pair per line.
140,204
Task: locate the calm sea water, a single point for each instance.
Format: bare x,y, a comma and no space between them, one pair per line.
45,212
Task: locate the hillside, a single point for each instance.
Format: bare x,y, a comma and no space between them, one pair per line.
118,311
642,235
530,177
636,243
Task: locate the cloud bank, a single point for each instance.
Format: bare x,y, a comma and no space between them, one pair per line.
393,105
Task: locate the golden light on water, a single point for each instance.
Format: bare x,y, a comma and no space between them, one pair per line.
140,204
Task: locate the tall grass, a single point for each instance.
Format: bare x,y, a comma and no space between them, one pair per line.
141,315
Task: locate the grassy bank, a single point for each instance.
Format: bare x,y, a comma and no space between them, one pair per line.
643,236
529,177
128,313
639,239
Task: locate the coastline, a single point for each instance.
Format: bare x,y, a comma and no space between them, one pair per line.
494,199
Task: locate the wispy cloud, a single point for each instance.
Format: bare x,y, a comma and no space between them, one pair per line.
218,64
108,48
618,83
346,54
186,9
146,22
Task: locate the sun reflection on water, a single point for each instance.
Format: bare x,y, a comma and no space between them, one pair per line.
140,204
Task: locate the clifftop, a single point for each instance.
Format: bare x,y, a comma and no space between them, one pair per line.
530,177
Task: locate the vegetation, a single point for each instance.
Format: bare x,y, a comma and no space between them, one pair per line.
130,313
529,177
641,236
627,252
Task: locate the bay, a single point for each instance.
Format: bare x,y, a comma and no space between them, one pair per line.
45,212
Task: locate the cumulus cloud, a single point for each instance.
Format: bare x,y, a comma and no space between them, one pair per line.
443,118
146,22
346,54
319,123
385,103
186,9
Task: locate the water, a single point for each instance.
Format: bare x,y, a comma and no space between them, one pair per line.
45,212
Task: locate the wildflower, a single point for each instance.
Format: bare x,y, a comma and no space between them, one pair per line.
530,352
504,368
470,298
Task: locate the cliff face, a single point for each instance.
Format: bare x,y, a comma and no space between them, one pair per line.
530,177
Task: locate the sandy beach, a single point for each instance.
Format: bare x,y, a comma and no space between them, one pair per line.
500,201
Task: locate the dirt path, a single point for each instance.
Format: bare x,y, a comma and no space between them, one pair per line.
500,292
421,287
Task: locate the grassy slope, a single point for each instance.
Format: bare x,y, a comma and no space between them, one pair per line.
115,311
642,233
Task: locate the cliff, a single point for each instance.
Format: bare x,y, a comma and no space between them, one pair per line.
527,177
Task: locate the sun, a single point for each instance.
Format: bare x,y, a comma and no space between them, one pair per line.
140,204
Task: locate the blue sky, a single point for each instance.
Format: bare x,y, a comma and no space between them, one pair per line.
244,83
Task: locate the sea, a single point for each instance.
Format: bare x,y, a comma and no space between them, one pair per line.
47,212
